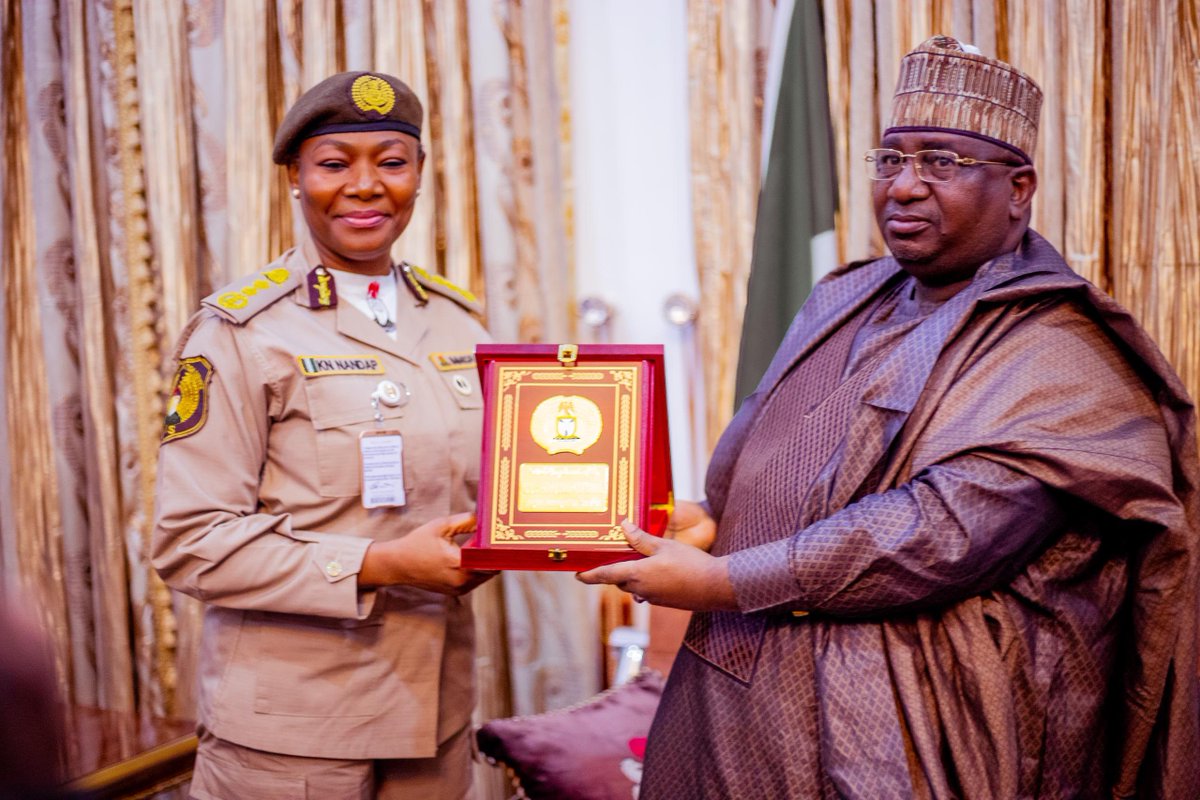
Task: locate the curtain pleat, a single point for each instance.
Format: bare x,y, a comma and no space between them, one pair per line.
725,98
1084,157
154,124
563,185
90,198
451,139
168,146
250,174
400,51
530,327
33,512
542,27
323,51
1155,230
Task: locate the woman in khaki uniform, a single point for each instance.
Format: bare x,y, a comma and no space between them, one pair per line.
319,458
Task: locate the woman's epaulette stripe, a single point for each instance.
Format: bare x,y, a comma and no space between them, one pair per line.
242,299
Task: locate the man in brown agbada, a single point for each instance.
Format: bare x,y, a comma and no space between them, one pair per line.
955,526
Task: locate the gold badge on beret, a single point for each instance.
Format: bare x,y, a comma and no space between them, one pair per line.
372,94
187,410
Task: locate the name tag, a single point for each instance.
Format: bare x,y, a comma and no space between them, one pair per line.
317,366
451,361
382,456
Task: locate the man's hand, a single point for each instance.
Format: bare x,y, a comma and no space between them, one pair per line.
691,524
672,574
427,558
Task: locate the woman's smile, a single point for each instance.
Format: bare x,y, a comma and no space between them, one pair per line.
363,219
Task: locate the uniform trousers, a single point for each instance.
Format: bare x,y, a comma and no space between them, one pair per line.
228,771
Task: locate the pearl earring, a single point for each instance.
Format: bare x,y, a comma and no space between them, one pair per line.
296,192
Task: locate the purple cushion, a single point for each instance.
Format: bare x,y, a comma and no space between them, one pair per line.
591,751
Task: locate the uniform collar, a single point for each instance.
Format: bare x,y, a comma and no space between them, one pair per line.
412,322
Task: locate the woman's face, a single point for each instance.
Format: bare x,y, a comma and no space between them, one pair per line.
357,191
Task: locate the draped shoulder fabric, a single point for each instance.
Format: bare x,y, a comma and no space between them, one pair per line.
993,552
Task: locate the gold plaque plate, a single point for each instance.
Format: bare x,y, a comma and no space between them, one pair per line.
563,488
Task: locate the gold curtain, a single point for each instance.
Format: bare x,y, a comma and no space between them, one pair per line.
1153,254
163,291
523,107
726,44
1118,153
33,553
97,238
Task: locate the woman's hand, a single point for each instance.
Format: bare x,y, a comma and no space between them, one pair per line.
691,524
427,558
673,574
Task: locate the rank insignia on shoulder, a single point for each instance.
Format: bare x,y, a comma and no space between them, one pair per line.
241,300
450,361
187,410
414,286
322,292
419,280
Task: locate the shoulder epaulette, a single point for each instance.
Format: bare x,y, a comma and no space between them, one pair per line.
436,283
242,299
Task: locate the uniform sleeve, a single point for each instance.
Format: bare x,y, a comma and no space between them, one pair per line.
211,540
1051,421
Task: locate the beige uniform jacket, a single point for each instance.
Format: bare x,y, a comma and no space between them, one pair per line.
259,515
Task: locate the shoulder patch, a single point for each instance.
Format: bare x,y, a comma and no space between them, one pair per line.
242,299
436,283
187,409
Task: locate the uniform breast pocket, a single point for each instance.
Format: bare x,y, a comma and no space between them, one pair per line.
461,401
341,410
463,386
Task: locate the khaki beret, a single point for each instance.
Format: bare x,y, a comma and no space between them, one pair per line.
348,101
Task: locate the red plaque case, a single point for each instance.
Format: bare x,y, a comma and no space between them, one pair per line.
574,440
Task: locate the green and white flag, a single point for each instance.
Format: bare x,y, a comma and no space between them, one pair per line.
793,238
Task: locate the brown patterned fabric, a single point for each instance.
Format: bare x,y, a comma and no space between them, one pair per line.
784,449
943,87
998,551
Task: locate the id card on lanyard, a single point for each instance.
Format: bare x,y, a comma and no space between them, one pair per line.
381,454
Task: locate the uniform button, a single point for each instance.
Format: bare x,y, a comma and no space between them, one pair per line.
462,385
333,569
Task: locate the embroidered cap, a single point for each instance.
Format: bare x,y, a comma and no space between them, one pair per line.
945,86
349,101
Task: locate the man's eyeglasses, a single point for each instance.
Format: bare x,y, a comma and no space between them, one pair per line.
933,166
